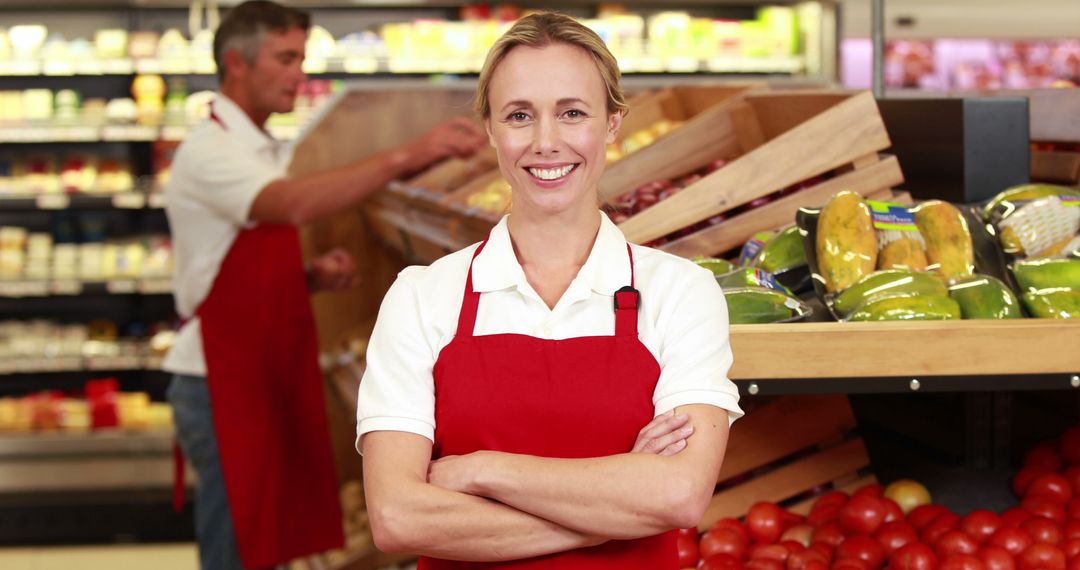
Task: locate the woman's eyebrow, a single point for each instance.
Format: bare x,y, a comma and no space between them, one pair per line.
517,103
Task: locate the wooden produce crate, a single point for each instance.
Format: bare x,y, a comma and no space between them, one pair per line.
789,451
777,140
1055,135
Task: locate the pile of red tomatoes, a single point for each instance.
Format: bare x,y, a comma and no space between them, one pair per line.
899,528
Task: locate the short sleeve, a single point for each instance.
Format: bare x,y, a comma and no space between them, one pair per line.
695,350
223,180
397,392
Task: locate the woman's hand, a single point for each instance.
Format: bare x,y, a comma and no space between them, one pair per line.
455,472
665,435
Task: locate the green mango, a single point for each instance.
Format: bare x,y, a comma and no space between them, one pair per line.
1036,275
1060,304
783,252
985,297
887,283
717,266
1026,192
752,305
908,308
751,277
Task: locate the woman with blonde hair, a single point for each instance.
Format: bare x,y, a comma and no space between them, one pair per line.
501,414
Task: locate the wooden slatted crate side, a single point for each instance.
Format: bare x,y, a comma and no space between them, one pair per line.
1061,167
848,130
733,232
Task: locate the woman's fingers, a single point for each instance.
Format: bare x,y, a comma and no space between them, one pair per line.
661,432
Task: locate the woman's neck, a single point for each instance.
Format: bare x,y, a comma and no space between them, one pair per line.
552,249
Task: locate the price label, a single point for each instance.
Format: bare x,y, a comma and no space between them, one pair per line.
148,66
59,68
155,286
156,200
66,287
53,201
88,67
129,133
360,65
173,133
120,286
683,65
313,65
82,134
129,201
118,66
18,289
25,67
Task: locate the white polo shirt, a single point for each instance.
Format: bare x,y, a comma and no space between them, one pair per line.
216,174
683,322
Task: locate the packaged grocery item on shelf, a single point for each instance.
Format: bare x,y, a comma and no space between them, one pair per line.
716,265
751,277
907,307
759,305
1051,287
985,297
34,256
1035,221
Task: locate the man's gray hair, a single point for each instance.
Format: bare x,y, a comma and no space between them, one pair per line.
245,27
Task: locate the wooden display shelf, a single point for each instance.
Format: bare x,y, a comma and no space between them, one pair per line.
1054,118
916,349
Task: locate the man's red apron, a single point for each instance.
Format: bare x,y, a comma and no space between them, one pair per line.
267,397
573,398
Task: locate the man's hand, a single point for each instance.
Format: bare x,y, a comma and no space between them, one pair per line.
459,137
665,435
333,271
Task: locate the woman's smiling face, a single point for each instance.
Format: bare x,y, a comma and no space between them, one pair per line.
550,125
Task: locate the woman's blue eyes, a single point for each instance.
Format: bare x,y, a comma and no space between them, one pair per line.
522,116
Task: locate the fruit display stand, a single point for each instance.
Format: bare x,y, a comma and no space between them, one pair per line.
1055,135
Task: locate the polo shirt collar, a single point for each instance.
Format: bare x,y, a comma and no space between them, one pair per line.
605,271
237,123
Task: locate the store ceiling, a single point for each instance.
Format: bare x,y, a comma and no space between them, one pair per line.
99,4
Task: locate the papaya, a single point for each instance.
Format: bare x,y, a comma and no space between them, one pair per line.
1059,304
948,239
752,305
782,252
904,253
1041,274
908,308
751,277
717,266
887,283
1026,192
985,297
846,245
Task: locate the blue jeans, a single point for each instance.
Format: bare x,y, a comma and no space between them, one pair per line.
190,400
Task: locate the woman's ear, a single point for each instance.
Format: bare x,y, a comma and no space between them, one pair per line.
614,122
487,128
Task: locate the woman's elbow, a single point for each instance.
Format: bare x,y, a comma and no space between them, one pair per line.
687,502
387,530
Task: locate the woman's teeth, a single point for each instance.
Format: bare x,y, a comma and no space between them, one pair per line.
551,173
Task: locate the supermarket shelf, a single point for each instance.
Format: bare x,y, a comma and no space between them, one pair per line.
887,356
79,364
19,289
369,65
97,461
134,200
27,134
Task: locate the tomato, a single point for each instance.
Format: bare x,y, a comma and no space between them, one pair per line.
733,525
894,535
764,564
837,498
908,494
721,562
1071,529
688,532
688,550
792,546
1043,507
1041,556
996,558
1042,530
805,559
955,542
829,533
1013,540
863,547
1074,564
765,522
800,533
938,527
1070,445
914,556
1053,486
851,564
825,549
722,541
1045,455
770,551
961,562
980,524
1014,516
790,519
923,515
1072,510
1072,475
862,514
873,489
1025,476
820,516
893,512
1071,548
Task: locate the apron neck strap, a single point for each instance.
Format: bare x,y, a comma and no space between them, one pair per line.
627,302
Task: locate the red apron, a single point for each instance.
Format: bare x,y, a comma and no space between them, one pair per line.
573,398
268,405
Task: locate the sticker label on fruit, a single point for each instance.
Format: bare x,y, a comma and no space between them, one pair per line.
752,247
889,216
1073,201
